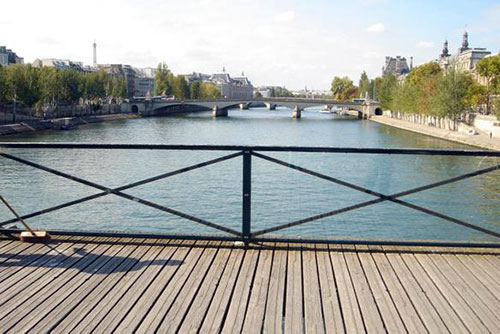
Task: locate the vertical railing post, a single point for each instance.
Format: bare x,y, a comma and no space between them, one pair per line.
247,196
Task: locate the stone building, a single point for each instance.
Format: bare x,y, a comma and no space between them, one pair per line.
466,58
64,64
230,88
8,57
397,66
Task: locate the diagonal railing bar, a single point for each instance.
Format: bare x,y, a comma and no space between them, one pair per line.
318,175
382,197
319,216
123,195
125,187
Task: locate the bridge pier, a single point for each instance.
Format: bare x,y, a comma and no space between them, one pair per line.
219,112
297,112
270,106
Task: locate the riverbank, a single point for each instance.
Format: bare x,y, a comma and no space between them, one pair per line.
480,139
60,123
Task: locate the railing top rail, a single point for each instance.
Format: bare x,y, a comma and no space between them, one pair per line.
313,149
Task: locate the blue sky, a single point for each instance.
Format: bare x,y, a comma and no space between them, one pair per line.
292,43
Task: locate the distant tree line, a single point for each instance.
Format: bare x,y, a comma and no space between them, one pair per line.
166,83
48,86
429,90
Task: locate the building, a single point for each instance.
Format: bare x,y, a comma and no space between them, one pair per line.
144,82
8,57
63,64
230,88
397,66
466,58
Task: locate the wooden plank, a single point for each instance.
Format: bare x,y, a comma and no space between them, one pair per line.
98,284
454,299
115,305
273,319
46,300
404,305
53,256
313,313
481,273
31,284
447,313
490,264
57,281
428,314
482,302
328,289
18,249
378,287
353,321
256,308
174,314
134,307
369,308
196,314
239,300
294,317
214,318
104,292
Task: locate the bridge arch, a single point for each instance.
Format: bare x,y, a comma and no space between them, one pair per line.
378,111
135,109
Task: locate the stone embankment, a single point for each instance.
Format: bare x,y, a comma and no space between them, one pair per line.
60,123
458,132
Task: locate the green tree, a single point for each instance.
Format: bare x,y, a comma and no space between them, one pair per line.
119,87
209,91
489,68
386,89
195,90
423,72
451,94
3,84
364,85
180,87
163,79
343,89
23,84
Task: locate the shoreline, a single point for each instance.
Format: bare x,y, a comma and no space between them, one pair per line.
481,139
58,124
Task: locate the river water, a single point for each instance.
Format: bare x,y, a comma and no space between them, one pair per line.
279,194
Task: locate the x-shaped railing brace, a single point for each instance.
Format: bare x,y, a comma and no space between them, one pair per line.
118,191
381,197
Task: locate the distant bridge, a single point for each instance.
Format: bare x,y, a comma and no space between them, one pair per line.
220,107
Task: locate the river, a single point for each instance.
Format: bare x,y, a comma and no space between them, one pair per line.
279,195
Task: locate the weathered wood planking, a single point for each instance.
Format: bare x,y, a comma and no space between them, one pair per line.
90,284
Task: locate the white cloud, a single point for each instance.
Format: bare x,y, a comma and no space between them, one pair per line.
287,16
377,27
425,44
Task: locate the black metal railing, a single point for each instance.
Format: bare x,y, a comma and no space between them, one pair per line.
246,234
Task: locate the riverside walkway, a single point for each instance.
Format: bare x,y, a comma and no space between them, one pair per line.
109,284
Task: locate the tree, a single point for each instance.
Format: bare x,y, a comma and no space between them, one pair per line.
195,90
489,68
387,86
180,88
423,72
364,85
119,87
343,89
209,91
163,78
3,84
23,84
451,94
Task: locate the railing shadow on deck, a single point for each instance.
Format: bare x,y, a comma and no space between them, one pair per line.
246,234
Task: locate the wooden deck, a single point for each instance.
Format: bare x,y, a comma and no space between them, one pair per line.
103,285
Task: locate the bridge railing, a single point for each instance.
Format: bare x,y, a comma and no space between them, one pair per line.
247,234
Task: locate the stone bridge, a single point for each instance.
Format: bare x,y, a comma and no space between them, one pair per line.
220,107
